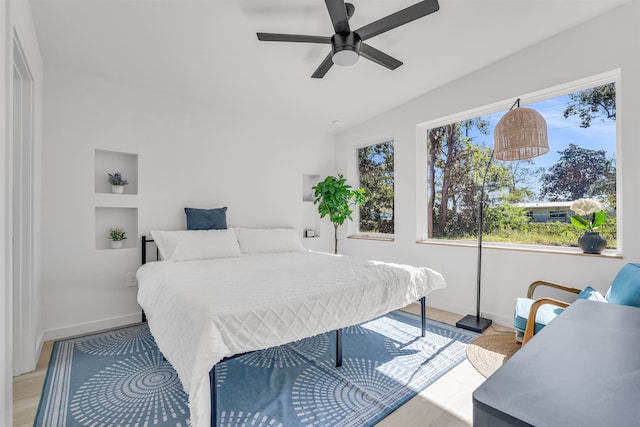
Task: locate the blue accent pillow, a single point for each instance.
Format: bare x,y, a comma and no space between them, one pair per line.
206,219
591,294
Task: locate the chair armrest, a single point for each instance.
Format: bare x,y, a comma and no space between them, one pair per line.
531,320
537,283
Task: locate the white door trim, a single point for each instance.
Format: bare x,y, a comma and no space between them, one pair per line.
21,214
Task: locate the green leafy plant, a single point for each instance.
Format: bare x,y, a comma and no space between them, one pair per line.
117,234
334,198
117,179
592,210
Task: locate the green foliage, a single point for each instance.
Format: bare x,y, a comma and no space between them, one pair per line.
545,234
596,220
591,103
117,234
457,166
504,217
334,198
376,173
117,179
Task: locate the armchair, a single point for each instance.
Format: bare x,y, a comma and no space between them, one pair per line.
532,315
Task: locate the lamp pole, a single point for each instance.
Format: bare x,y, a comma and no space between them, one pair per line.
471,322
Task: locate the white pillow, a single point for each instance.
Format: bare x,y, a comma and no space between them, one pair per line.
190,245
266,240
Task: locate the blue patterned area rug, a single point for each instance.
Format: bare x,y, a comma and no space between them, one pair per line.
119,378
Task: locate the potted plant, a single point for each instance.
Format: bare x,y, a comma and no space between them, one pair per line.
334,198
117,182
117,236
591,242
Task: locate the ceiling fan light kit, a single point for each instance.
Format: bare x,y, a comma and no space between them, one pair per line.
346,45
345,48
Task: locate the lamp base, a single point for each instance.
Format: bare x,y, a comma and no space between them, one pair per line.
473,323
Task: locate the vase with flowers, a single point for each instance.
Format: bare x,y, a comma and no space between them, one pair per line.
117,236
589,216
117,182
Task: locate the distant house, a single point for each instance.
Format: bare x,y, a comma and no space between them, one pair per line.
548,211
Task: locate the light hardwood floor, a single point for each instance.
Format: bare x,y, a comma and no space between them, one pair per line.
445,403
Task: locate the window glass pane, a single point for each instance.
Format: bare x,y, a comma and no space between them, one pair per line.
375,172
526,202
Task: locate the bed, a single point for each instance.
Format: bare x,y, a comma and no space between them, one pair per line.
202,309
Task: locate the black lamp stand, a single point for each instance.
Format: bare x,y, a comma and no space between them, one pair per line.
471,322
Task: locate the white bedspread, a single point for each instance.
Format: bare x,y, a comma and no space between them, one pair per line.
202,311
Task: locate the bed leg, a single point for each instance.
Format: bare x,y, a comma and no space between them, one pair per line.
144,251
214,406
423,314
338,348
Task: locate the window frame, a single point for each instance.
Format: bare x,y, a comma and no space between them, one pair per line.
422,232
353,176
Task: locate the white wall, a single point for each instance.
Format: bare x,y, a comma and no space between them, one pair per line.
607,43
189,154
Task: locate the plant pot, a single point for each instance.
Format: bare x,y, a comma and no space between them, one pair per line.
591,242
117,244
117,189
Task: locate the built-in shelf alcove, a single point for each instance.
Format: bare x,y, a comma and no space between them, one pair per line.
109,162
310,216
114,217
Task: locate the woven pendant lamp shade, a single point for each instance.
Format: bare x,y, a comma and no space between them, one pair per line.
520,134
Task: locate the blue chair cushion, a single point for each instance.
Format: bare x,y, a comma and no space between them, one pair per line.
206,219
545,314
625,288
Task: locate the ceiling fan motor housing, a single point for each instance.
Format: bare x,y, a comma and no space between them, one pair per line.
345,48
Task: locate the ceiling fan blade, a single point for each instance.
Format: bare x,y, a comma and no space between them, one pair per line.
323,68
373,54
271,37
338,13
397,19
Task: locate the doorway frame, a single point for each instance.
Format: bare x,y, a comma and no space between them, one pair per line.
21,209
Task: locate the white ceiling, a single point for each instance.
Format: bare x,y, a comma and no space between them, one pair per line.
208,50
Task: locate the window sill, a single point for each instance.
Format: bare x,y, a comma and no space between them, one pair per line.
371,237
607,253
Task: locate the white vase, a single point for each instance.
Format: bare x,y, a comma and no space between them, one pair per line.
117,189
117,244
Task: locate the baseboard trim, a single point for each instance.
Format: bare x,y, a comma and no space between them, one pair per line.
89,327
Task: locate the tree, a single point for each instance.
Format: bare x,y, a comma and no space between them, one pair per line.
456,169
591,103
334,198
376,170
454,162
580,172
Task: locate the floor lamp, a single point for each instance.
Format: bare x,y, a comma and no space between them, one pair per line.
520,134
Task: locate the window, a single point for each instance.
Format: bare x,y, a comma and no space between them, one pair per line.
526,202
375,175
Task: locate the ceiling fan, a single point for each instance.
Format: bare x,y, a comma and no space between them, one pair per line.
346,45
